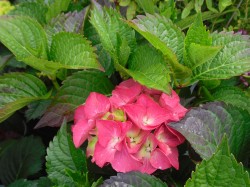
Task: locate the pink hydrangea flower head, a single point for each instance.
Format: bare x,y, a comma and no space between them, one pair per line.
124,93
146,113
130,129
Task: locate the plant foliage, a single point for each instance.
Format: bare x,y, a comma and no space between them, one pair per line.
221,169
205,126
22,158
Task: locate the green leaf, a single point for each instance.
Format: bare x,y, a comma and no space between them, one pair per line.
199,54
17,90
69,22
32,9
62,156
47,67
20,35
41,182
131,10
112,30
36,109
166,37
73,51
234,96
232,60
210,7
221,170
74,92
97,183
148,67
198,38
147,5
21,159
103,56
205,126
56,8
134,179
186,11
197,34
223,4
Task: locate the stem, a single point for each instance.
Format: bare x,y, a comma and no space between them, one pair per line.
246,10
231,18
55,83
207,93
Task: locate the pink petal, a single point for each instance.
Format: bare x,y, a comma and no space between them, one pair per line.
109,132
136,139
103,155
81,131
170,137
171,153
147,147
96,105
151,92
172,104
130,83
169,101
125,162
180,137
124,93
147,167
79,113
159,160
146,113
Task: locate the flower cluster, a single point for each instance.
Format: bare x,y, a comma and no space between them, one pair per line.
130,129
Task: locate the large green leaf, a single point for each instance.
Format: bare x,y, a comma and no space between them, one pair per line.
32,9
113,33
74,92
69,22
221,170
232,95
36,109
103,56
21,159
134,179
148,67
197,34
205,126
17,90
73,51
198,43
23,36
62,157
232,60
56,7
166,37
